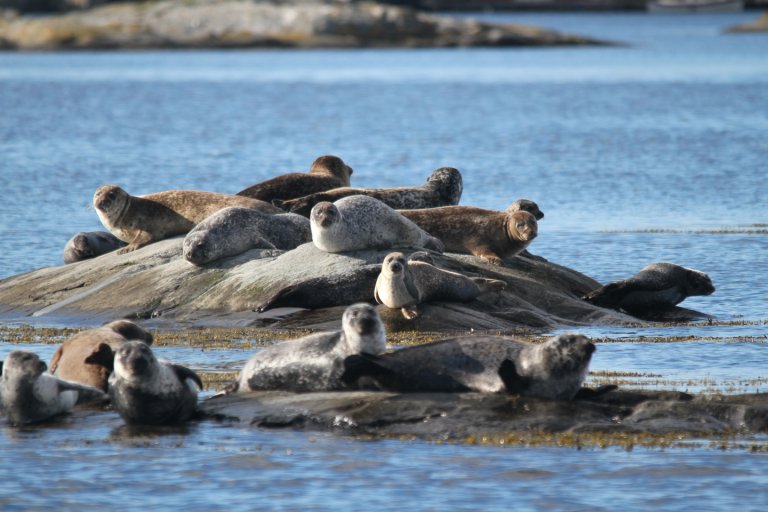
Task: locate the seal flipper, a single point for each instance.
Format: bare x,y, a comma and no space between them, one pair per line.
103,355
513,382
54,360
85,394
184,373
585,393
363,365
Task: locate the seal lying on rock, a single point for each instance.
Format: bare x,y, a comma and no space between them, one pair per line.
87,357
360,222
489,234
658,286
28,394
442,188
89,244
315,362
234,230
146,219
148,391
554,369
526,205
405,284
326,172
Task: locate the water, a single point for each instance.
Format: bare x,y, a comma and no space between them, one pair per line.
668,132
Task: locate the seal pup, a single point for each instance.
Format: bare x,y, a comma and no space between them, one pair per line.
554,369
405,283
89,244
29,395
148,391
141,220
657,286
315,362
88,356
360,222
325,173
443,188
488,234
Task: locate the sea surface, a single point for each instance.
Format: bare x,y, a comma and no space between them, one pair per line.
655,150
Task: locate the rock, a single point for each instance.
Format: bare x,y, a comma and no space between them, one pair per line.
758,25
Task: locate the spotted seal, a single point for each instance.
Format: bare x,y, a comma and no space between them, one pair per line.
360,222
526,205
29,395
554,369
315,362
87,357
148,391
89,244
658,286
325,173
490,234
141,220
405,283
443,188
234,230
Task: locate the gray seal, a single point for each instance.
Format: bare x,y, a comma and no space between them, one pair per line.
405,283
325,173
658,286
554,369
360,222
234,230
29,395
89,244
442,188
315,362
526,205
148,391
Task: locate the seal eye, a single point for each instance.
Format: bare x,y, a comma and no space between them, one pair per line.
111,194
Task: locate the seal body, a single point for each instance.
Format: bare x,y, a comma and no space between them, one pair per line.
657,286
361,222
234,230
315,362
29,395
405,283
89,244
489,234
88,356
326,172
554,369
442,188
143,220
148,391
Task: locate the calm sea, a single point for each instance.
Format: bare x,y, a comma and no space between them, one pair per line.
654,151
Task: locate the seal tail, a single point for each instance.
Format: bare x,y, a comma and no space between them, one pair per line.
514,383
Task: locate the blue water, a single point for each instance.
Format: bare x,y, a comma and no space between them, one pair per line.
666,132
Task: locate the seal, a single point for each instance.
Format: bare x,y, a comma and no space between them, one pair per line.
29,395
360,222
405,284
148,391
326,172
142,220
88,356
89,244
554,369
315,362
234,230
442,188
489,234
658,286
526,205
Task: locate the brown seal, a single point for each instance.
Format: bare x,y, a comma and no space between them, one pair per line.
326,172
89,244
87,357
443,188
154,217
490,234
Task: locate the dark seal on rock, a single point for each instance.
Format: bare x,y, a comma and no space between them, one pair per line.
658,286
89,244
28,394
146,391
489,234
234,230
360,222
143,220
526,205
443,188
326,172
554,369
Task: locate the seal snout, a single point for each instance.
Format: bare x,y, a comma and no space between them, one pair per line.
325,214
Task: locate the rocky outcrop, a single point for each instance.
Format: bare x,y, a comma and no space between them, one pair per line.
758,25
251,23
